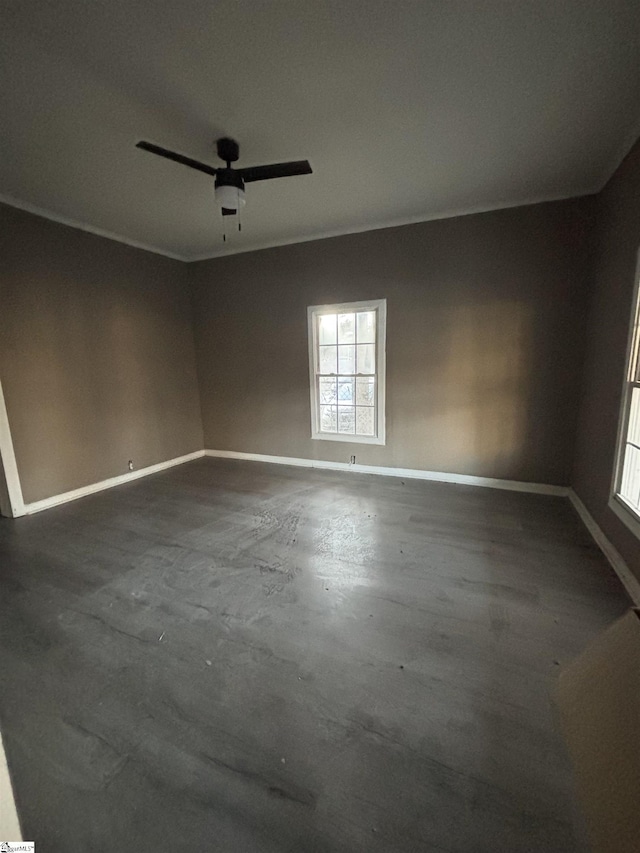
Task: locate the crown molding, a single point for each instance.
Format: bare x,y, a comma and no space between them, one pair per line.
11,201
273,244
390,223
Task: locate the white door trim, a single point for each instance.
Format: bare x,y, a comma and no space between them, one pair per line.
9,823
15,505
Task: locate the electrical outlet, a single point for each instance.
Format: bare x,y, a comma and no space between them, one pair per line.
131,464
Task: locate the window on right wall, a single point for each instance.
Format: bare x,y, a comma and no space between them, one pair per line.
625,493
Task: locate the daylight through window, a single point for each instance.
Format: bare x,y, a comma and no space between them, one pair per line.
627,485
347,361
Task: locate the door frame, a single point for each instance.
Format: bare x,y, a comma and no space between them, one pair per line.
11,500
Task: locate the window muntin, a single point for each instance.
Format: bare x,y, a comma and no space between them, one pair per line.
347,360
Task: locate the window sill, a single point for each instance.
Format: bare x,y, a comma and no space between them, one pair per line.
626,514
351,439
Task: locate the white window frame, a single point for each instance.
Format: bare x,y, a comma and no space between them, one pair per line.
315,311
625,512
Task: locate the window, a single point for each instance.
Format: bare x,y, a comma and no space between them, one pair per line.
347,371
625,499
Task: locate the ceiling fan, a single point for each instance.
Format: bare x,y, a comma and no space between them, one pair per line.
229,182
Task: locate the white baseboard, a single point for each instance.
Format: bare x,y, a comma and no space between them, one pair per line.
65,497
407,473
624,573
626,576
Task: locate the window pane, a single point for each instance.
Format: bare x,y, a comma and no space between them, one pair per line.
328,419
630,487
346,359
345,392
366,325
344,355
365,421
633,430
346,419
366,358
346,328
365,391
328,391
327,328
328,359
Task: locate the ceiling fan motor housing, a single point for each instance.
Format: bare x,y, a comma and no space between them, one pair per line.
229,178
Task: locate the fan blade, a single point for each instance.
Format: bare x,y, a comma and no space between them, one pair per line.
275,170
177,158
227,211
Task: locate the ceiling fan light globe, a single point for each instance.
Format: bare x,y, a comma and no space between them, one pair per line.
230,197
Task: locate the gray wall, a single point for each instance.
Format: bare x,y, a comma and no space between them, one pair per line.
484,341
96,355
613,273
485,346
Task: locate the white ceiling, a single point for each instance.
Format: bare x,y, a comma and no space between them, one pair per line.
407,110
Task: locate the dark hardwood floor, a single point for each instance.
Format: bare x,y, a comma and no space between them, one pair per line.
233,656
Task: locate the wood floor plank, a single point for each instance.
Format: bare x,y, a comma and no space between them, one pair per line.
234,656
